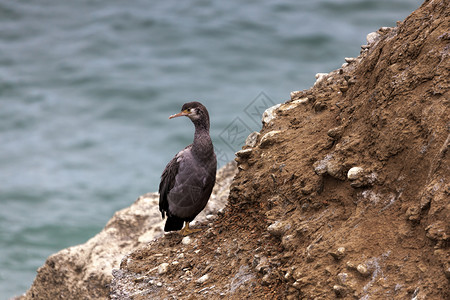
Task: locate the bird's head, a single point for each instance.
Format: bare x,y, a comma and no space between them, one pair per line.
194,111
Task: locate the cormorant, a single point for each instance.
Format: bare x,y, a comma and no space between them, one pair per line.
188,179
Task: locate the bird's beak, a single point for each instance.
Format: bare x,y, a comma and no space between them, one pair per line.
180,114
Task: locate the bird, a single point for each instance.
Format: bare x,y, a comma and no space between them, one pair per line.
188,179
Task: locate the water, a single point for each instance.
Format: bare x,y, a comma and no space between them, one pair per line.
86,88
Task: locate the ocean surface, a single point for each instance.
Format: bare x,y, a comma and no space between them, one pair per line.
86,88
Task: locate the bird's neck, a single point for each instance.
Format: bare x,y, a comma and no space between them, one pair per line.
202,145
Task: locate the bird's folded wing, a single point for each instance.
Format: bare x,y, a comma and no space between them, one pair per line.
166,184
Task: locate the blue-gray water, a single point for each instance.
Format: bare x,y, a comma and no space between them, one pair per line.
86,88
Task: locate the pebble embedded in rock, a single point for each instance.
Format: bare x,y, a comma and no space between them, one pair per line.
269,114
186,240
355,173
341,251
210,217
251,139
339,290
319,106
338,254
278,228
351,265
334,169
163,268
320,166
372,37
266,279
288,106
288,275
297,285
363,270
301,101
336,133
244,153
269,138
320,77
294,93
293,104
203,279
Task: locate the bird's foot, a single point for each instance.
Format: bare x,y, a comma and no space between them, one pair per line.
187,231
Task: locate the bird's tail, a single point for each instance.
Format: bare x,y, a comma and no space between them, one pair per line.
173,224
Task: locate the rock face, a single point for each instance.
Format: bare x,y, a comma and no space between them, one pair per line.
85,271
349,198
298,224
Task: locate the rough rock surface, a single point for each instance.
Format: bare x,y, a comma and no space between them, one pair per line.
85,271
295,225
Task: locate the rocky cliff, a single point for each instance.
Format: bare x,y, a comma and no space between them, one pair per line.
85,271
345,193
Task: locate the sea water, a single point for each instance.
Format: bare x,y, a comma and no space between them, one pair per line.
86,88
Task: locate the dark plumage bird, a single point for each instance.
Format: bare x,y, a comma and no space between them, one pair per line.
188,179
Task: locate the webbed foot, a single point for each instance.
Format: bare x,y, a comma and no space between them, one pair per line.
187,231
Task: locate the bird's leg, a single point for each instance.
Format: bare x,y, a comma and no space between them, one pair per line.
187,231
